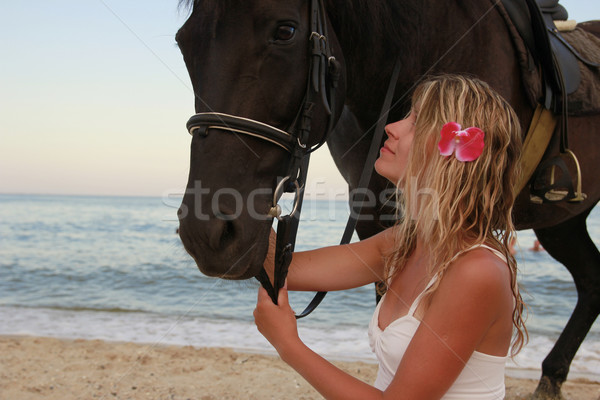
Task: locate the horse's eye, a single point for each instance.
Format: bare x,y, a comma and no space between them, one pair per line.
285,33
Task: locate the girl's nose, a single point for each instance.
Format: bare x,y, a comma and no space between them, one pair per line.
391,129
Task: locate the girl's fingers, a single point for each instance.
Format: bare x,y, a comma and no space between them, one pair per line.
262,294
283,295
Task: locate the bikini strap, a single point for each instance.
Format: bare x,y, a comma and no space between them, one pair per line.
415,303
497,253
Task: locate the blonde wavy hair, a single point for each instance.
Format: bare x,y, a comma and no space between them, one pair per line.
451,205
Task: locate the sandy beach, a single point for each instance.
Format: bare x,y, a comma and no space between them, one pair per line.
48,368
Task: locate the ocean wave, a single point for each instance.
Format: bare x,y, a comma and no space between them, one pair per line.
113,268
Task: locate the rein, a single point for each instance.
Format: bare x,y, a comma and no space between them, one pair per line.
323,76
365,177
286,232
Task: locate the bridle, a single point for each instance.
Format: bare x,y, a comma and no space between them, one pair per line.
323,76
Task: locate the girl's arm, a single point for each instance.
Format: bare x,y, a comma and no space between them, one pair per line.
472,297
278,324
336,267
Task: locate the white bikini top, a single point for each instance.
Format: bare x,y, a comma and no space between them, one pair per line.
482,377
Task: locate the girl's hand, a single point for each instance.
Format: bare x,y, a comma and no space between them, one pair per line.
276,322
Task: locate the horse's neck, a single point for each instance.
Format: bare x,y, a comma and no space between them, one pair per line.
426,39
371,35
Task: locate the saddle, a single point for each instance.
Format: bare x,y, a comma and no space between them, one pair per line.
558,60
552,70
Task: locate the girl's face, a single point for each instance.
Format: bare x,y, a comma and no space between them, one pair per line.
393,156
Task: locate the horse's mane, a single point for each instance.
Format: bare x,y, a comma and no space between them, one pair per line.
360,21
373,34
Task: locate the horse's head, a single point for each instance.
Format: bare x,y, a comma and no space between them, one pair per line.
250,66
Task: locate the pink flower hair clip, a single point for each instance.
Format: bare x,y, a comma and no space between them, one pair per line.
467,144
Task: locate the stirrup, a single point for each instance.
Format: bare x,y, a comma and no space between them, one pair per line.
579,195
558,189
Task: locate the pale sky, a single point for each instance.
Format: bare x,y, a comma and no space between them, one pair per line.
94,97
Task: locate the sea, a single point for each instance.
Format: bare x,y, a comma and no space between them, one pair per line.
113,268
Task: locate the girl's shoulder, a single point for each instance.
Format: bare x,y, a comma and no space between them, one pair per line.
478,270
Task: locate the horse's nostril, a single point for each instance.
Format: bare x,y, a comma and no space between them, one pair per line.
227,235
221,230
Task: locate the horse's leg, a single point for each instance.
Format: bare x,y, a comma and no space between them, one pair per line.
570,244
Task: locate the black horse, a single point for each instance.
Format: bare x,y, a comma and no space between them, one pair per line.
250,59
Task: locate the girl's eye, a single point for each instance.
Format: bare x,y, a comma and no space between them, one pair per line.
285,33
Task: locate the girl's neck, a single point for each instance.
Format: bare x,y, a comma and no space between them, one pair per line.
419,253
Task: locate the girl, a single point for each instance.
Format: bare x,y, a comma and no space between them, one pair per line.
444,327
